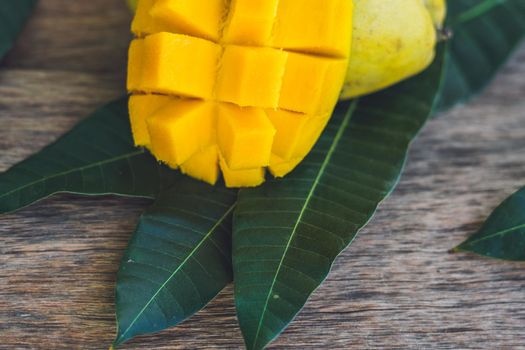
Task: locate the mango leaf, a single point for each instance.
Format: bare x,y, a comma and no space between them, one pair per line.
96,157
13,16
485,34
288,232
503,234
178,260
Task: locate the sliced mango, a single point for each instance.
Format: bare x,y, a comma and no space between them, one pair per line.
280,167
295,133
245,136
251,83
140,108
251,76
251,22
177,64
204,165
311,84
143,23
201,18
241,178
168,128
135,65
314,26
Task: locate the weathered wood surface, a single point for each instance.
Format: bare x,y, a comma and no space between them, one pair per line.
395,288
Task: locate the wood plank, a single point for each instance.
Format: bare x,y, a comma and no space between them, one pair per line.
395,288
91,36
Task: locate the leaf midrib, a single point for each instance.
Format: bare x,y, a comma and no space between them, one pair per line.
478,11
182,264
67,172
328,157
497,233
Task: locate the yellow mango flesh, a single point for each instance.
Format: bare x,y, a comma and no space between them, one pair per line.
245,136
173,64
203,165
295,133
251,76
250,22
235,85
141,107
168,129
280,167
204,21
314,26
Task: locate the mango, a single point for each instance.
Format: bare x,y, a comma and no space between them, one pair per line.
240,86
236,87
392,40
168,128
203,165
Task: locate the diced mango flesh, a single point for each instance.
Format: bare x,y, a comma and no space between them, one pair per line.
251,22
296,133
168,128
245,136
251,76
140,108
314,26
143,23
311,83
201,18
203,165
239,91
241,178
280,167
173,64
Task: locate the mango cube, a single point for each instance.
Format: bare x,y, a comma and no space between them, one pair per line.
203,166
140,108
250,22
168,128
241,178
143,23
295,133
251,76
280,167
311,84
200,18
245,136
136,65
177,64
314,26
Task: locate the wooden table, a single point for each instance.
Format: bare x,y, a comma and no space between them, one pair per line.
395,288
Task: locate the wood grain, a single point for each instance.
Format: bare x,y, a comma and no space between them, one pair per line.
395,288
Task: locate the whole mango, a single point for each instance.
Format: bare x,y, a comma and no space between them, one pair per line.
392,40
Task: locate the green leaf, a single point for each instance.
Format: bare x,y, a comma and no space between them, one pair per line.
96,157
503,234
13,16
288,232
178,260
485,34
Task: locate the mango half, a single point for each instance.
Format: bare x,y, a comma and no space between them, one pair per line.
236,87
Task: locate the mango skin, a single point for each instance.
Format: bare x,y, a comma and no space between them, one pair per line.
392,40
438,11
